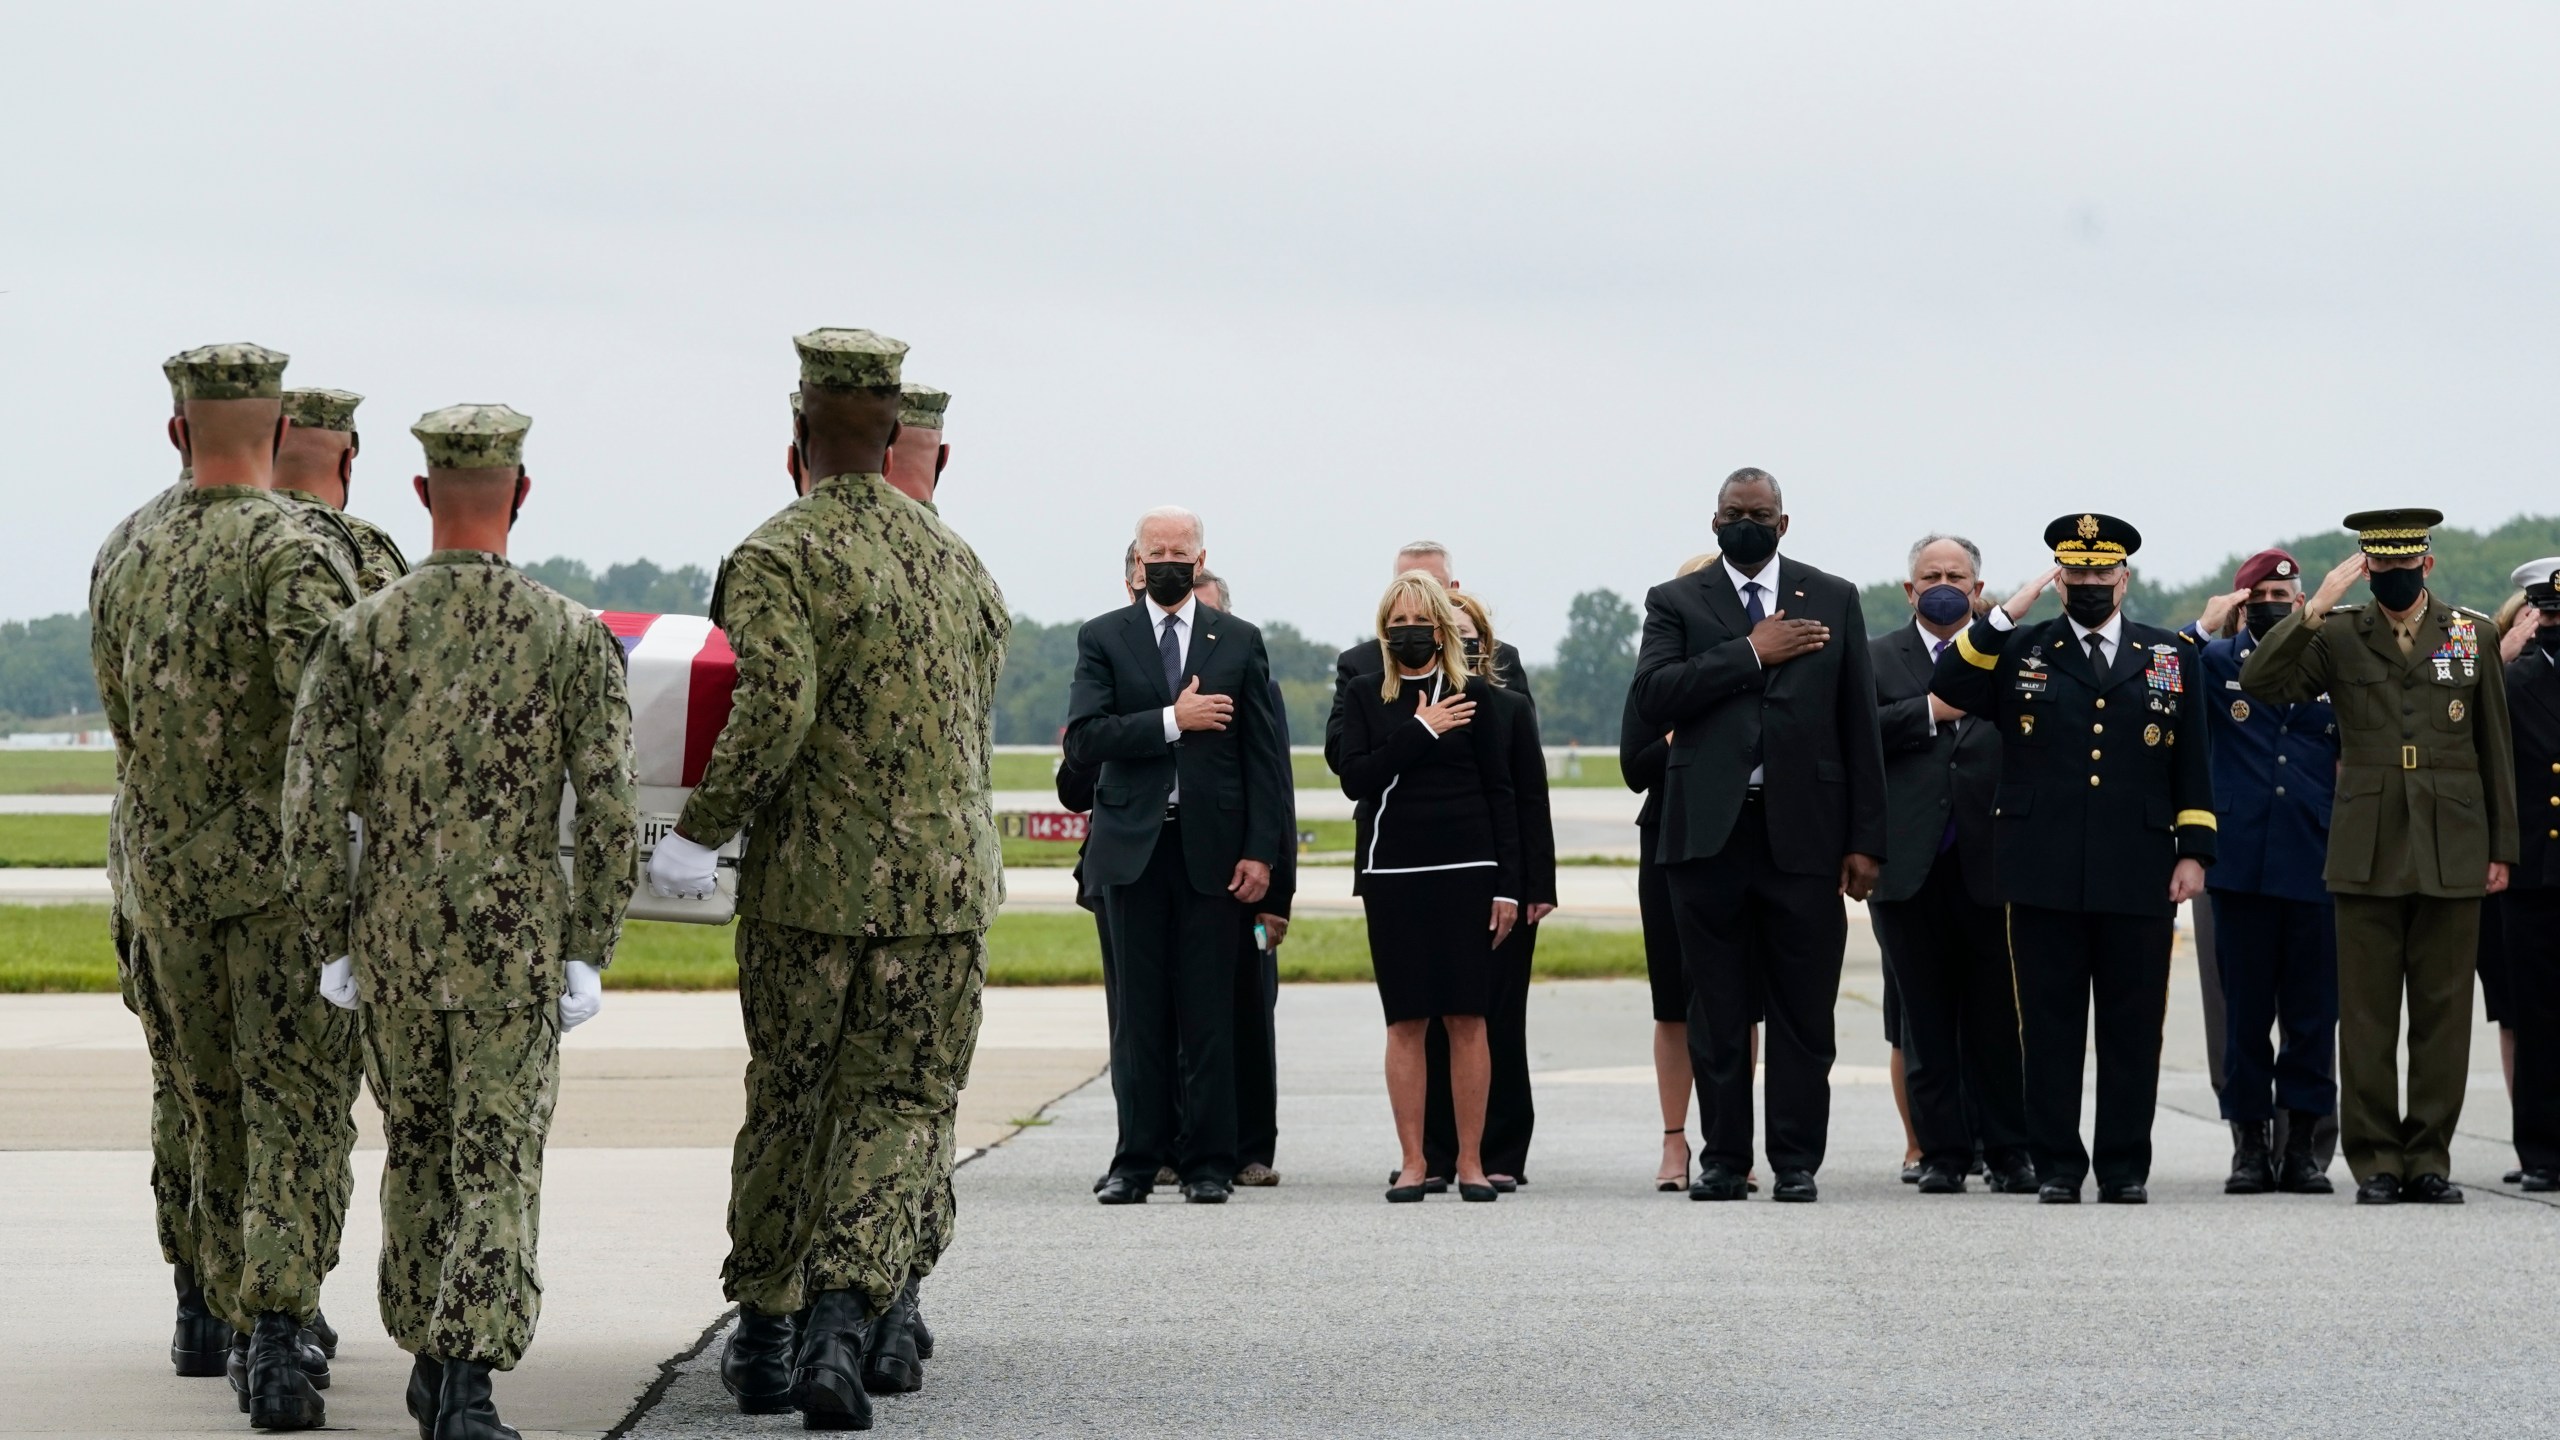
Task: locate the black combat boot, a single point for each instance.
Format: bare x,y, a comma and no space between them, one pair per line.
307,1351
915,1320
2301,1172
322,1334
466,1410
2252,1171
282,1394
755,1366
893,1366
201,1346
426,1391
827,1387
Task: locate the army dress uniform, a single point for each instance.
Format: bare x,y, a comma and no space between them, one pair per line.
202,627
446,713
2426,800
869,639
2532,900
2104,788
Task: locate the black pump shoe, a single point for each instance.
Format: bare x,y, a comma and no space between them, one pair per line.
1480,1194
827,1385
426,1391
465,1410
755,1366
894,1365
282,1394
200,1347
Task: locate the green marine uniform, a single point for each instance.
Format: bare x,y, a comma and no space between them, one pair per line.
445,714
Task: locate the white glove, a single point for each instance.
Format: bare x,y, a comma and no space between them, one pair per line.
338,982
682,870
584,997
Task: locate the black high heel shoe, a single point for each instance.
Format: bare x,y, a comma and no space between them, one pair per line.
1671,1185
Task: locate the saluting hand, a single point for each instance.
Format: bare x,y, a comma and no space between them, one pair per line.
1448,713
1779,639
2217,612
2335,584
2019,604
2519,634
1195,711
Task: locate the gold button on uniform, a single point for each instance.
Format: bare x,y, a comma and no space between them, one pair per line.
2101,730
2097,754
2102,704
2093,782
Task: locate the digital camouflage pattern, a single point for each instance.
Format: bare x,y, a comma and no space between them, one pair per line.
238,371
371,552
868,639
857,1051
466,1098
446,712
848,359
266,1070
316,409
472,437
922,406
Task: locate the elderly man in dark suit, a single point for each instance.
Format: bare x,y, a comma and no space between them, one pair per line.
1936,914
1172,706
1773,807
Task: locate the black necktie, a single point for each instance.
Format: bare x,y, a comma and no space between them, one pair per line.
1171,650
1751,601
2098,658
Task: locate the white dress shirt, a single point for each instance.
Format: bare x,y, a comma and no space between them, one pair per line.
1935,646
2110,635
1182,623
1767,580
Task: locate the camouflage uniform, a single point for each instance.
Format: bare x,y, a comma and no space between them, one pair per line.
446,713
868,639
376,555
202,624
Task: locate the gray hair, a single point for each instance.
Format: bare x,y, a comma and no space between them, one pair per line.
1972,551
1199,529
1424,548
1752,474
1129,561
1226,596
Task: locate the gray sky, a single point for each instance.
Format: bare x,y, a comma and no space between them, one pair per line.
1523,278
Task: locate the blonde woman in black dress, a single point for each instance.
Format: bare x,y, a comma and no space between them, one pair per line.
1425,755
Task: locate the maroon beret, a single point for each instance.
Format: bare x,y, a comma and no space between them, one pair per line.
2267,565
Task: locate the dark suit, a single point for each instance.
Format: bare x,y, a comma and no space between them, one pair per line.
1755,871
1258,995
1162,875
2104,786
1364,659
1937,918
2532,905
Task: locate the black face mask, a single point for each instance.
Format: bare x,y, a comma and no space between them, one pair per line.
1747,543
2547,639
1412,646
2397,589
1169,580
2089,604
2265,615
1475,650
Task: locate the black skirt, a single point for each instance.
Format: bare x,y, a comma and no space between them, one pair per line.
1431,942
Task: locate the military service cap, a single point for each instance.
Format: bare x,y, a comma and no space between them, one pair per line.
848,359
322,409
2540,582
233,372
472,437
795,402
921,406
2091,542
2268,564
2389,533
177,374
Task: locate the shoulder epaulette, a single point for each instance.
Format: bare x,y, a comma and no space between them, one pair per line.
2345,609
2477,614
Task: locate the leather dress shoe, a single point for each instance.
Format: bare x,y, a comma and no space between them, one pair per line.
1119,1189
2431,1190
200,1347
755,1364
1717,1181
2058,1192
894,1367
1206,1191
827,1385
2540,1182
426,1392
1795,1187
466,1409
1257,1174
2253,1170
1941,1180
2512,1177
2131,1192
283,1393
2012,1177
2379,1190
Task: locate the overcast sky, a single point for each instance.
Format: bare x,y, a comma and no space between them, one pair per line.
1527,279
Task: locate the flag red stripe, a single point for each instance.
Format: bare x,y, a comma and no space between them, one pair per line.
715,673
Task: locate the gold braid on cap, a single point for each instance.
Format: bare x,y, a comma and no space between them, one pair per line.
2398,540
2085,556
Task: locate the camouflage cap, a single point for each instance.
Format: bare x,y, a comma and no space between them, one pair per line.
472,437
848,359
921,406
177,374
795,402
239,371
322,409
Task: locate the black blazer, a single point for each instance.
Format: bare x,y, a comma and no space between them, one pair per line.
2533,713
2104,786
1644,757
1430,802
1812,720
1930,779
1075,793
1364,659
1529,783
1236,798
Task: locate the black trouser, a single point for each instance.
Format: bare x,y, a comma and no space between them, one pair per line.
1173,1047
2278,960
2064,960
1257,1002
2533,984
1949,958
1751,931
1509,1114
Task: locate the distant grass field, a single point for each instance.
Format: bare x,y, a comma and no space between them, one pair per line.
64,948
52,842
57,772
1597,769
